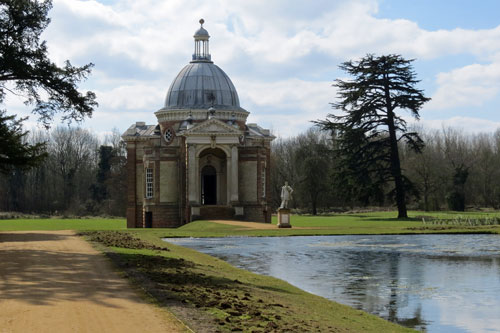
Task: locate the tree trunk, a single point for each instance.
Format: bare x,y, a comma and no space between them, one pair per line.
314,208
426,200
395,163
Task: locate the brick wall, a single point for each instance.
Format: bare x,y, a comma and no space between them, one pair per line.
216,212
165,216
139,217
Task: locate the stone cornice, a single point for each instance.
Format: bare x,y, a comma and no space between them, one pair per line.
132,138
199,114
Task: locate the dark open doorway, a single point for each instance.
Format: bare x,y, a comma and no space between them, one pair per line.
208,185
148,219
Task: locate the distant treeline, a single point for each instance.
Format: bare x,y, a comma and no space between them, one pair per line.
455,171
82,175
86,175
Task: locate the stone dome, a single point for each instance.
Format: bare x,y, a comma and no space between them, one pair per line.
201,33
201,85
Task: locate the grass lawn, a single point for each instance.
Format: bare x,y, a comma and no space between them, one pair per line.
63,224
340,224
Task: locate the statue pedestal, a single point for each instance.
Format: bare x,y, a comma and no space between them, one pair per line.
284,218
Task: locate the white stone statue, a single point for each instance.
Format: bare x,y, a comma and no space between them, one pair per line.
286,195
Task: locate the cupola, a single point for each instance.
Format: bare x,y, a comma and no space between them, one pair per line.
201,51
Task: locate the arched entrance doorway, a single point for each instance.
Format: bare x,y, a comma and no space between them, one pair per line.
212,177
208,185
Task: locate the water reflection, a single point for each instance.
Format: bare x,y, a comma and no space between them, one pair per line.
438,283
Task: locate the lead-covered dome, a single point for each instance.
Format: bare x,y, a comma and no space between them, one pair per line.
200,85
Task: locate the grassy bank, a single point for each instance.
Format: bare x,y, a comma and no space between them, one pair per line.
338,224
343,224
63,224
213,296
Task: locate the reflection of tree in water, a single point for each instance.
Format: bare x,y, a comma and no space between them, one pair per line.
372,284
415,322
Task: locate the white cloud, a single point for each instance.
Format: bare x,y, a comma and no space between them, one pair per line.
132,97
139,46
293,94
150,32
466,124
287,106
471,85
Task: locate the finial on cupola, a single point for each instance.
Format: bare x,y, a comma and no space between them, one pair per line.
201,37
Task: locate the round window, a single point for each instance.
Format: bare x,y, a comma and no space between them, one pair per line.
169,135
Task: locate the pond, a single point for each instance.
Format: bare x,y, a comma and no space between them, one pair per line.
433,283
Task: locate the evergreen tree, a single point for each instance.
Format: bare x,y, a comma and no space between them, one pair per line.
99,188
15,152
26,70
370,129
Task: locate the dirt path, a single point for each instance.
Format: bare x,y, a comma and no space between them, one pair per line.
53,281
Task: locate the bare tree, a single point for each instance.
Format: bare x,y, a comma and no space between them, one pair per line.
73,150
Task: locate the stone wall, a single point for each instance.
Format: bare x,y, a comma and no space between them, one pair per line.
169,181
254,183
247,181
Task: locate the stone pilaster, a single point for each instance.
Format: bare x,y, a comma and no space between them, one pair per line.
191,165
131,186
234,174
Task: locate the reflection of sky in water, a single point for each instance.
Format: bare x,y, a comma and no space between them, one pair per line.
441,283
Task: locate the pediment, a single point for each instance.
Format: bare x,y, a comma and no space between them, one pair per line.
212,127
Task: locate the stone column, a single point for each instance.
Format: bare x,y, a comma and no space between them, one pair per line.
197,189
234,174
219,182
192,174
229,184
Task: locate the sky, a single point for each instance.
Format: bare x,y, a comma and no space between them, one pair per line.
282,56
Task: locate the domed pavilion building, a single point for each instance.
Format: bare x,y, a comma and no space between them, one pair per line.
202,160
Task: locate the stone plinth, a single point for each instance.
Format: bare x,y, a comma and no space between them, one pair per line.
284,218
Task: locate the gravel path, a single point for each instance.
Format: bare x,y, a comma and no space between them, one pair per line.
53,281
